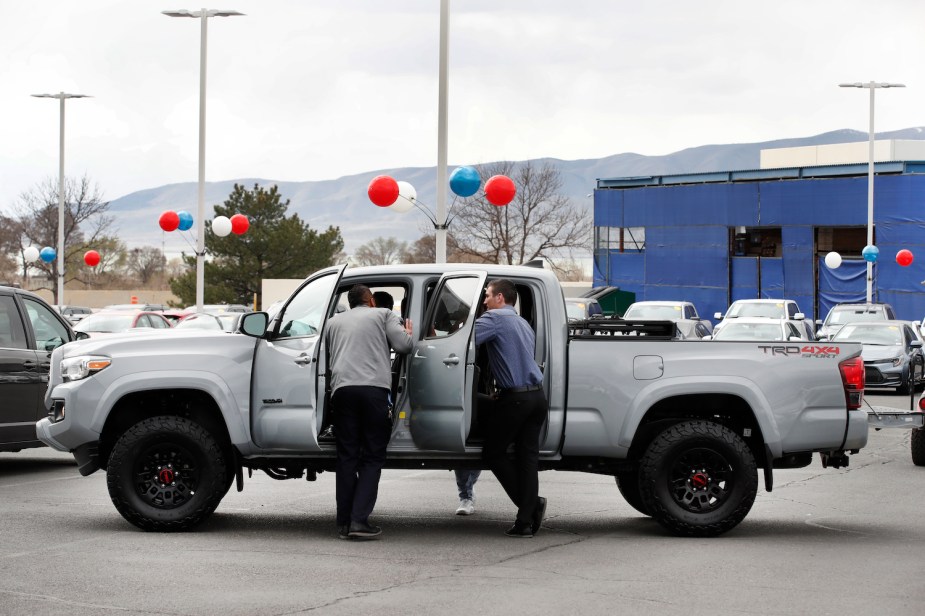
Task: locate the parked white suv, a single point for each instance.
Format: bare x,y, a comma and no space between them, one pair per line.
786,309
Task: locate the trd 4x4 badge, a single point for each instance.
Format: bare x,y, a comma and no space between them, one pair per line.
798,351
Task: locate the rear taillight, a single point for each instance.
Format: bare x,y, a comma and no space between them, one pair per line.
922,403
852,378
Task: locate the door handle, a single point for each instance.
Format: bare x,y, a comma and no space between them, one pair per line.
452,360
303,360
29,365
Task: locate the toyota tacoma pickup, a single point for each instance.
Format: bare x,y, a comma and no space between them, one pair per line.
684,426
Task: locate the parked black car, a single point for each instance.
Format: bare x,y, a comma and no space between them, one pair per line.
30,330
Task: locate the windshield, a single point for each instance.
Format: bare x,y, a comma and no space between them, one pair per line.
840,316
105,323
653,312
750,331
764,309
880,335
575,311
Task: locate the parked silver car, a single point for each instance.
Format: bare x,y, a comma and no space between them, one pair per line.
892,352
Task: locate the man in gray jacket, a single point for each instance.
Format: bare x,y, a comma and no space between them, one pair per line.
358,343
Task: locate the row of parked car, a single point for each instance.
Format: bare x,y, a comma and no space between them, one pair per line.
120,318
892,348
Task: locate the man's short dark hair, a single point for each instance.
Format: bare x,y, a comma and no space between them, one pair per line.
384,300
506,288
357,295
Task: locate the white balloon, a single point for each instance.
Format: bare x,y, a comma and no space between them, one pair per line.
221,226
30,254
833,260
406,197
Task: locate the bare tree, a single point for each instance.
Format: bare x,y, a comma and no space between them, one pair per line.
539,222
9,248
380,251
86,223
146,263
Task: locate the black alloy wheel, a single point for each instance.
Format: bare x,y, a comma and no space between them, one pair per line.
167,473
698,479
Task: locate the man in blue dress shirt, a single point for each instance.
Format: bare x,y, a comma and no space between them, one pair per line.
518,414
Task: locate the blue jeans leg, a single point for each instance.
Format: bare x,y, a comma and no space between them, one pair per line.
465,482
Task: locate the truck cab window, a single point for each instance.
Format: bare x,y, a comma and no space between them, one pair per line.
304,315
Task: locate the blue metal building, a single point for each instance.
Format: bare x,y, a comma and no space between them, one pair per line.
713,238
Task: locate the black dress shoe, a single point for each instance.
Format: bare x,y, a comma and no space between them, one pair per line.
520,530
343,531
538,514
363,530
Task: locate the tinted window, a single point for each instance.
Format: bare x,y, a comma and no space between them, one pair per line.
12,334
49,331
453,307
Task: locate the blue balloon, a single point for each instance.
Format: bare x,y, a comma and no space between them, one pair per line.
47,254
186,220
870,253
465,181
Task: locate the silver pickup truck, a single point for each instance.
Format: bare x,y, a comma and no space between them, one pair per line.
683,426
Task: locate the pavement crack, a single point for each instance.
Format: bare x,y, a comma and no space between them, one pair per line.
94,606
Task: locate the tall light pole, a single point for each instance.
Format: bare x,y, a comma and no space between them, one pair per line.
440,224
872,86
203,16
61,96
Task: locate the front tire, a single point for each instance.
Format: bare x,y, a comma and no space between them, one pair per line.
918,446
698,479
167,474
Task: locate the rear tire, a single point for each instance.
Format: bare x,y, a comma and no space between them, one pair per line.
167,474
628,484
918,446
698,479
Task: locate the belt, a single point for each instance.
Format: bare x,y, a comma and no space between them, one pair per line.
520,390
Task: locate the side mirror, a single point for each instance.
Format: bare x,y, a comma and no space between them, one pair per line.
53,344
717,315
799,316
254,324
81,336
915,344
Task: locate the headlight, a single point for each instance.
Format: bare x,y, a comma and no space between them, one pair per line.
897,360
82,366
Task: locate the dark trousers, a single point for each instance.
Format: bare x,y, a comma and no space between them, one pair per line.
516,419
361,428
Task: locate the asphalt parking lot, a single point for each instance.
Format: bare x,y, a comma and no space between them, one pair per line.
825,541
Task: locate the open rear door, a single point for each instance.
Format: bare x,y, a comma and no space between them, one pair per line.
442,367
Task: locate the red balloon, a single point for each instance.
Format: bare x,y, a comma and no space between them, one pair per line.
239,224
500,190
92,258
169,221
383,191
904,257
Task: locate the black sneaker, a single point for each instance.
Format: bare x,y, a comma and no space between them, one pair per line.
538,514
343,531
363,530
520,530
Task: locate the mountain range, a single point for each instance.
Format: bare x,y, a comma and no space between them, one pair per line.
343,201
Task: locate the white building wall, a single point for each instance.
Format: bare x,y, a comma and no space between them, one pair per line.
842,154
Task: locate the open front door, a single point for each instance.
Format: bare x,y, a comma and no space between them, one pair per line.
287,391
442,367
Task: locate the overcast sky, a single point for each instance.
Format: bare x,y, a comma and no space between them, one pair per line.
317,89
